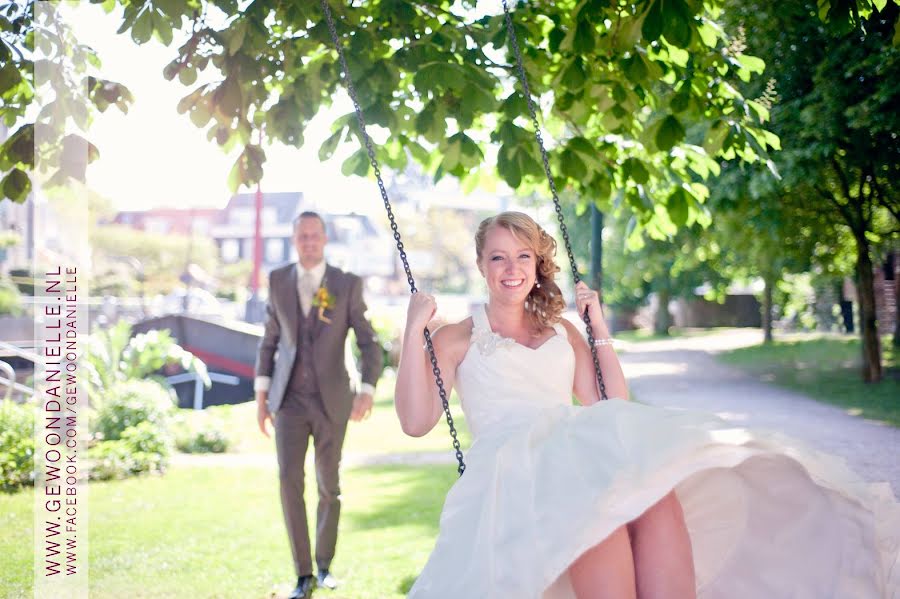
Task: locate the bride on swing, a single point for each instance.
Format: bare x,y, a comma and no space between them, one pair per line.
616,499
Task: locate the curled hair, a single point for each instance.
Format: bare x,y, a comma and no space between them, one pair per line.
545,303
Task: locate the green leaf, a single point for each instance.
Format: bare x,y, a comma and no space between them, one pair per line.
356,164
470,154
188,102
635,69
326,150
163,28
171,8
762,113
601,188
678,207
9,77
16,185
572,166
228,97
677,20
187,75
236,34
715,137
680,102
752,63
515,105
508,166
573,76
143,26
708,34
19,148
653,22
635,170
669,134
171,69
585,150
584,37
200,114
430,123
452,150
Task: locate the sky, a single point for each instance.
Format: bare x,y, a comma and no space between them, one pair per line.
155,157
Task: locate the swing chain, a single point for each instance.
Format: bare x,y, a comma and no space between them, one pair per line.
513,41
435,369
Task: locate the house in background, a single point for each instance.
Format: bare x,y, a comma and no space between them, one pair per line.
236,228
355,241
170,221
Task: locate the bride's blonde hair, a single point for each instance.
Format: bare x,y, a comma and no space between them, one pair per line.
545,303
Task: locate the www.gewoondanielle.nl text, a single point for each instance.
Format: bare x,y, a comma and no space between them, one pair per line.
60,403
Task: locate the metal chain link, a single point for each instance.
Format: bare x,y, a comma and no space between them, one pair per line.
514,43
387,206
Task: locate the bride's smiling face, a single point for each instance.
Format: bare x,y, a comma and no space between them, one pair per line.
508,265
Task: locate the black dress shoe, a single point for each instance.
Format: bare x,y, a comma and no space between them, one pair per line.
305,586
326,580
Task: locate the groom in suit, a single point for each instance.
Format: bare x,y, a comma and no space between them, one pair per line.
303,389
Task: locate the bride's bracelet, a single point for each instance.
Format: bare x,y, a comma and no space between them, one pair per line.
604,341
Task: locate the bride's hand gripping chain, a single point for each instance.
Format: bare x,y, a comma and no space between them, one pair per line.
416,400
588,299
419,313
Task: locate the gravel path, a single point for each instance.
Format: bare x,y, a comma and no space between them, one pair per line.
683,373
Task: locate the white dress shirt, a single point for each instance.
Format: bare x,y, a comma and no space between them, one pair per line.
262,383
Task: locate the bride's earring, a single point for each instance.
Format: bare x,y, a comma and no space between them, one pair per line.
537,284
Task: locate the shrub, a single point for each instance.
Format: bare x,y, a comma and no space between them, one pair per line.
200,433
10,299
131,403
16,445
141,449
206,438
110,460
113,356
23,279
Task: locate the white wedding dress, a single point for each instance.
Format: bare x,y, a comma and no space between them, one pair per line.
546,480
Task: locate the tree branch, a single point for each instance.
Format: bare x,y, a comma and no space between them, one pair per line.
881,199
845,185
842,208
864,202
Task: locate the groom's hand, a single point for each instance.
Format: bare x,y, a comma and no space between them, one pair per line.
362,407
262,413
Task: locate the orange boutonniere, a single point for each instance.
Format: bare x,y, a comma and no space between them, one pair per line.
323,300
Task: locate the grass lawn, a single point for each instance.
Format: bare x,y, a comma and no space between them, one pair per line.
204,531
379,434
636,335
200,532
827,369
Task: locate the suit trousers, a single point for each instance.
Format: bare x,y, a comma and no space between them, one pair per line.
296,421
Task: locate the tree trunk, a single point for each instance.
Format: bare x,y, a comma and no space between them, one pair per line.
871,345
897,313
769,281
896,301
663,319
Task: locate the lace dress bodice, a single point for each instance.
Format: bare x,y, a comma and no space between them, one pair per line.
502,382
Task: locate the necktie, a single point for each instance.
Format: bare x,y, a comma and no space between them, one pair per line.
307,289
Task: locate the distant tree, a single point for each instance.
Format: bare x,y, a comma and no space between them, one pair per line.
40,58
162,257
836,115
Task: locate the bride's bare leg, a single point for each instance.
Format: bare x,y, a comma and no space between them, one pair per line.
605,571
663,562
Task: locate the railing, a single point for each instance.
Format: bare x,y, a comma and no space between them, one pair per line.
8,373
215,377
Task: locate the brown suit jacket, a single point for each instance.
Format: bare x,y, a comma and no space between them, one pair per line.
278,347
